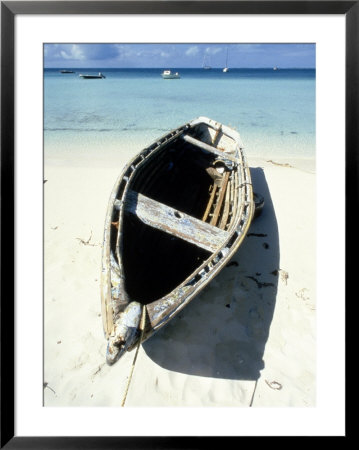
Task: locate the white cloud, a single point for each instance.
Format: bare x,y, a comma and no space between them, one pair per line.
213,50
192,51
74,52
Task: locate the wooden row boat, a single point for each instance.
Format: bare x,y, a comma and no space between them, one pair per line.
178,212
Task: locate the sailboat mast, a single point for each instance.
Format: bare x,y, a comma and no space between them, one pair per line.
205,66
226,66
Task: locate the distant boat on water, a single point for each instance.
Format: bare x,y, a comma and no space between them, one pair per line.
226,67
204,65
91,76
168,75
275,68
66,71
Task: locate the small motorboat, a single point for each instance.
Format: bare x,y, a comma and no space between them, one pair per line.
177,213
66,71
92,76
168,75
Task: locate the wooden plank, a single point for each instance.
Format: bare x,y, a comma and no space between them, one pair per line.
175,222
222,191
210,202
214,140
233,206
225,213
235,199
209,148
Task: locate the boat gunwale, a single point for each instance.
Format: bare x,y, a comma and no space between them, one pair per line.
147,152
197,287
201,284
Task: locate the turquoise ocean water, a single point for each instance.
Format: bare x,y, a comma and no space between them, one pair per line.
274,111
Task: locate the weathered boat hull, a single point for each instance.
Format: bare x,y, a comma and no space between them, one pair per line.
178,212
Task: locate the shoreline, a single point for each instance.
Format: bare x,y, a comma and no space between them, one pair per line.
109,149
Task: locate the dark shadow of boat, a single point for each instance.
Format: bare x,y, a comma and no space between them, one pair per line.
222,333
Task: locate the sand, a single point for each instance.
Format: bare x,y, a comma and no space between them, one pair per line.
247,340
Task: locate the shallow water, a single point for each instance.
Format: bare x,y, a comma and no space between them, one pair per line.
274,111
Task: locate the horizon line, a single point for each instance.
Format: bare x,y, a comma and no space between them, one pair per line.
176,67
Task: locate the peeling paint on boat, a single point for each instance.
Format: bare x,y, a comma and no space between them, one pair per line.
126,332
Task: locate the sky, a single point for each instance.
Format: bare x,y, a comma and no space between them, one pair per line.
178,55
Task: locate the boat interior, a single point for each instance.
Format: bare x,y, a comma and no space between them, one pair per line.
181,188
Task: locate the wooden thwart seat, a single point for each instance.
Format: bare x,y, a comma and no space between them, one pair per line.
208,148
175,222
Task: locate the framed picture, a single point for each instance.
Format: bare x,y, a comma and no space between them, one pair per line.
82,94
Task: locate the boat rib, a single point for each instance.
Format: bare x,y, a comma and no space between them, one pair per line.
221,194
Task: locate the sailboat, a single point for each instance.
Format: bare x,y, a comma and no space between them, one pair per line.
205,66
226,67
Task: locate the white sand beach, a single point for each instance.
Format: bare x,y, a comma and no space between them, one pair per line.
248,339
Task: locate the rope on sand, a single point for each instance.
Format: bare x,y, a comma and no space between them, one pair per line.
142,328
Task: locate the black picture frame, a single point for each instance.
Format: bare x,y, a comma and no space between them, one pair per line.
9,9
